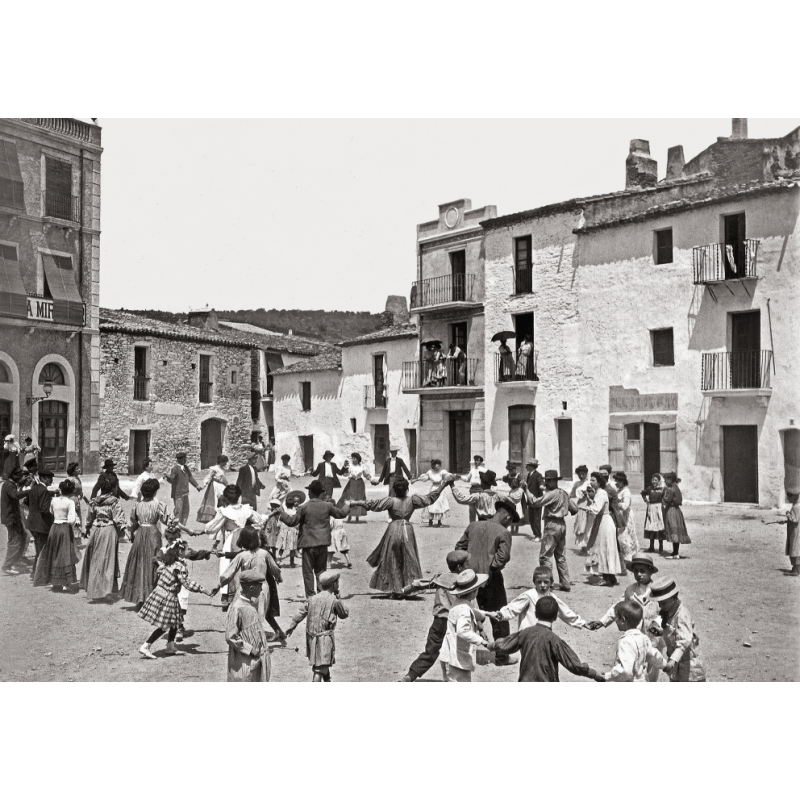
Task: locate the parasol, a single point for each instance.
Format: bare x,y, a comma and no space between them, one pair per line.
431,341
504,335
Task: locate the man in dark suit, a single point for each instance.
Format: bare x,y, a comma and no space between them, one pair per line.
40,517
327,473
108,482
249,483
393,469
535,482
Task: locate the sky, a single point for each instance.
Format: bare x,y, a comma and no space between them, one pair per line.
322,214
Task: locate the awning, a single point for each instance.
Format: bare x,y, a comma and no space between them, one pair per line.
13,298
67,302
11,187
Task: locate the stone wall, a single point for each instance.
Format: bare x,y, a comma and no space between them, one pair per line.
173,413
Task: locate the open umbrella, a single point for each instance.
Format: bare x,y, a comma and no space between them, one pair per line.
504,335
431,341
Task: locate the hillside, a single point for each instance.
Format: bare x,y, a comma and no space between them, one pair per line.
328,326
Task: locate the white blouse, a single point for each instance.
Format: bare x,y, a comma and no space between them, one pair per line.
63,510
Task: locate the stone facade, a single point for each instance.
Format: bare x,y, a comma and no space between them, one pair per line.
50,245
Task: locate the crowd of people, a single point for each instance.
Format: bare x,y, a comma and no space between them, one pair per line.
252,547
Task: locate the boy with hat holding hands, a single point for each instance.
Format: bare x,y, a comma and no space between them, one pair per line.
248,651
464,628
321,612
677,627
442,603
180,476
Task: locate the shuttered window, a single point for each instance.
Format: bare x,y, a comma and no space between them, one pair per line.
669,448
13,299
523,265
305,395
616,444
11,186
205,379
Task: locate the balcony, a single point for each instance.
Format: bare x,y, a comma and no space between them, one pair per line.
60,205
737,374
446,291
66,126
371,401
205,392
717,263
140,387
515,372
446,378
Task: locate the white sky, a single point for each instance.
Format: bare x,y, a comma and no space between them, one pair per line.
322,214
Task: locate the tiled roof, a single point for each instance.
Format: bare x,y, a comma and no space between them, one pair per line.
114,320
720,194
384,334
329,360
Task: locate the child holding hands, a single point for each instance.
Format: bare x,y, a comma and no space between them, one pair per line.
636,657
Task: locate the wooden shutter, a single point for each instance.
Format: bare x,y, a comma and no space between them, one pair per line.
11,185
616,446
669,447
13,299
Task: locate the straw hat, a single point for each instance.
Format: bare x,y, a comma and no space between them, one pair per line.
662,589
467,581
644,560
296,494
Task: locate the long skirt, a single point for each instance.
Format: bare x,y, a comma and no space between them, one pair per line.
140,569
231,537
162,609
287,538
208,506
582,526
354,490
628,540
793,540
56,564
395,559
438,511
603,557
675,526
654,523
100,572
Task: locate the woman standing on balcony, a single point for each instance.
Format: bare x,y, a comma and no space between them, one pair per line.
439,367
524,358
506,361
354,489
428,366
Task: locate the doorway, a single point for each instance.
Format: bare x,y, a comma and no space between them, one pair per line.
53,435
521,434
642,453
740,463
458,270
211,435
411,445
735,233
745,350
564,431
460,423
307,450
5,418
139,450
380,445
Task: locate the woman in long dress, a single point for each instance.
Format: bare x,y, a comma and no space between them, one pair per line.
439,511
100,571
627,538
439,366
56,562
396,558
524,368
603,558
674,523
230,518
583,519
73,475
214,484
654,517
506,361
282,486
140,568
259,448
354,489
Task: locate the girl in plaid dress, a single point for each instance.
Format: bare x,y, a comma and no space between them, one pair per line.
162,608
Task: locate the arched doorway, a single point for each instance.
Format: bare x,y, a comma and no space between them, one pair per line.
212,434
53,435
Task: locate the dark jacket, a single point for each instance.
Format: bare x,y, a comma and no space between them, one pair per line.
319,472
244,481
535,483
108,483
40,518
613,506
399,468
314,520
488,544
10,495
180,479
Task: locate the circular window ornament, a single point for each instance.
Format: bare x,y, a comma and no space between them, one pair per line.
451,217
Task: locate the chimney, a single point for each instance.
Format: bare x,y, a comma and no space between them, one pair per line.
675,162
739,128
396,311
205,318
641,171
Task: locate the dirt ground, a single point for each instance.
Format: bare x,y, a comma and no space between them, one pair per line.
746,609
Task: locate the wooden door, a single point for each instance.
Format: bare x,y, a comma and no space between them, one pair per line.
53,435
5,418
564,448
745,366
210,442
140,450
651,460
411,444
458,270
460,441
633,454
740,463
521,434
307,449
735,235
380,446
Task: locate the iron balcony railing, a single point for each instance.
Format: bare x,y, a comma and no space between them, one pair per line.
426,374
444,289
63,125
140,387
510,368
205,392
373,401
60,205
743,369
713,263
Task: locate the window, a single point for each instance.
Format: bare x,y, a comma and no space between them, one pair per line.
458,270
5,418
521,434
140,373
234,377
13,298
379,374
353,424
56,281
52,373
663,353
305,395
58,200
5,375
523,265
205,379
10,176
663,254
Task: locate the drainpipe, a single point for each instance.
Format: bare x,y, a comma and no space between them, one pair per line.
79,410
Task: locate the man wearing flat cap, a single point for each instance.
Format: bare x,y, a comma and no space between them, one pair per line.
180,476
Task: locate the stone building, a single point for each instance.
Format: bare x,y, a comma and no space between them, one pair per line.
663,319
448,298
49,286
